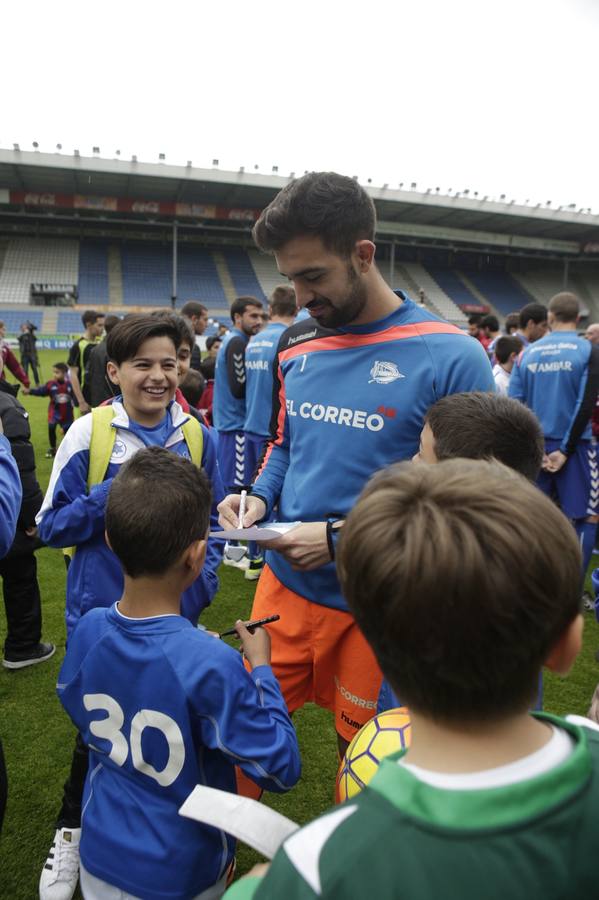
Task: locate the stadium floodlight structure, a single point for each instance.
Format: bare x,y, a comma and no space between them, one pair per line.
95,149
134,158
275,169
189,164
161,157
59,146
16,147
76,153
35,145
215,162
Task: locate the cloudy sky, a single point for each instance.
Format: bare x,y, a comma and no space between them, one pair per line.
498,96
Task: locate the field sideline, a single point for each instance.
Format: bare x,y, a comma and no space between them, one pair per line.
38,737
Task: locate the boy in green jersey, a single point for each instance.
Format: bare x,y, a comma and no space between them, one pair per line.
464,596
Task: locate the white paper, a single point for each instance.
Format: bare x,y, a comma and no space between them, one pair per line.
253,823
259,533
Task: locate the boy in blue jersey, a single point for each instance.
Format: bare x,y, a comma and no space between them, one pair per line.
464,597
142,353
353,385
229,391
188,716
558,378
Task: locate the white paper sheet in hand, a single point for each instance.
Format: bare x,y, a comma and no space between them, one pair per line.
256,532
253,823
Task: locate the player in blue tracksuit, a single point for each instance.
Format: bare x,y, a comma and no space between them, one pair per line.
228,409
354,384
190,714
558,378
260,355
10,495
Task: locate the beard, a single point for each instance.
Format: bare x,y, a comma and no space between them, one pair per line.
348,309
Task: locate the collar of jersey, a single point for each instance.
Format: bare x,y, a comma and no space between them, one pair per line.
490,808
121,419
394,318
168,622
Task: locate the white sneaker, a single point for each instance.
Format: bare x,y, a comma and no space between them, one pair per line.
61,872
237,564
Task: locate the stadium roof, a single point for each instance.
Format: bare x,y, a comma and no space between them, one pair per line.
398,209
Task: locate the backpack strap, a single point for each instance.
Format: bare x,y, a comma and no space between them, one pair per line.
194,438
101,444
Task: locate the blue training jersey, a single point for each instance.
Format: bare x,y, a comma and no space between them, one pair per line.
71,516
260,354
557,378
163,707
351,402
10,496
228,406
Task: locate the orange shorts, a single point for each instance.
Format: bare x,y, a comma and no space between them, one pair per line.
319,654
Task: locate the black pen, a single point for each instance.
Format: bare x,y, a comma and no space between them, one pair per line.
257,623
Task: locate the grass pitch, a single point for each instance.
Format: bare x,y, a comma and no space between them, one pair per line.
38,737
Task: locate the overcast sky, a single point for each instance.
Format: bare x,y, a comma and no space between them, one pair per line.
498,96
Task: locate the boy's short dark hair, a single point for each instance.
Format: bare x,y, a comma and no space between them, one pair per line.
90,317
512,320
192,386
283,302
207,367
565,307
481,425
182,324
239,305
158,504
463,576
128,335
329,206
62,367
109,323
212,340
532,311
506,345
490,322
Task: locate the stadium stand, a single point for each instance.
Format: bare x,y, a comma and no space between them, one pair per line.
69,322
29,260
266,271
544,283
440,303
501,290
198,278
147,276
243,275
454,287
93,273
14,318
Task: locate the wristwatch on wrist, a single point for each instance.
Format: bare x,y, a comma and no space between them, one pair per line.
334,526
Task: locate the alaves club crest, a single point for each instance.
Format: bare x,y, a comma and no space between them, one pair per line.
384,373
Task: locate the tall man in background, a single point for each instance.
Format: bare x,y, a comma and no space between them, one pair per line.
93,322
229,391
558,378
260,354
198,316
354,383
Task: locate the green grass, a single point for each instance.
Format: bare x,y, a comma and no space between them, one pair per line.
38,737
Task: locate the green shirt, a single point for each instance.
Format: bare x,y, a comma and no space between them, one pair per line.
401,838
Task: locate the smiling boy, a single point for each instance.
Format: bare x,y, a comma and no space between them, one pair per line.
142,352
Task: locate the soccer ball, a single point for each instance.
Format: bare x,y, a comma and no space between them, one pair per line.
386,733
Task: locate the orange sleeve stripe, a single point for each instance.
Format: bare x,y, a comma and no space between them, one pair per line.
396,333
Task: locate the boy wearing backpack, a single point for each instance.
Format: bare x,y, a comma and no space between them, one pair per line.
142,352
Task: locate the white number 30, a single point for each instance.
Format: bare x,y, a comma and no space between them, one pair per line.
110,730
